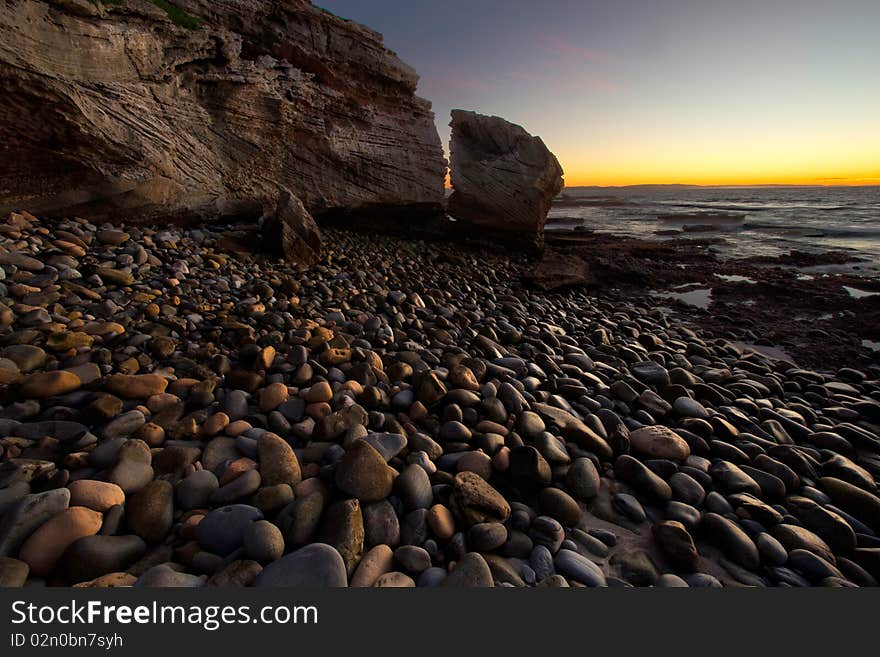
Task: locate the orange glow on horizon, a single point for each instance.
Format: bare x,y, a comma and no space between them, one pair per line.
592,180
599,180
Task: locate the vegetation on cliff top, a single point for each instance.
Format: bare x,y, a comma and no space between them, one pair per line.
177,15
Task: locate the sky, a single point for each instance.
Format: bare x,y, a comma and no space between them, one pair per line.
657,91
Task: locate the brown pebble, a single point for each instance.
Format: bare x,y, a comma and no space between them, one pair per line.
476,462
95,495
45,546
319,392
441,522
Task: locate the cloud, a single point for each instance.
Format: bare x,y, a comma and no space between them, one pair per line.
441,79
556,45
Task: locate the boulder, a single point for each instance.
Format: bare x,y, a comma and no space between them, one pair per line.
503,178
291,231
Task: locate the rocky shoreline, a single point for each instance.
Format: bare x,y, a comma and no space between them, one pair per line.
813,309
177,413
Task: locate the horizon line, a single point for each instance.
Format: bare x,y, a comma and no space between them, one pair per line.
873,183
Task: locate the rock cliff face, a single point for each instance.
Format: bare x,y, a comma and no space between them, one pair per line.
504,179
119,109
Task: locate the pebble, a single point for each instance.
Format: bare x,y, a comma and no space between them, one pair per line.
49,384
412,559
390,400
150,512
772,552
263,542
659,442
732,539
244,485
96,495
529,468
486,536
28,515
196,490
578,568
313,566
640,477
13,573
677,544
475,501
343,527
91,557
582,479
471,571
396,580
138,386
298,521
42,549
414,488
164,576
375,563
560,505
222,530
363,473
441,522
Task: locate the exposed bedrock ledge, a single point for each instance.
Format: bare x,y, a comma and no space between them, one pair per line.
504,179
114,112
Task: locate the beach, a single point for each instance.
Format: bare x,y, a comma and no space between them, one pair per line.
181,410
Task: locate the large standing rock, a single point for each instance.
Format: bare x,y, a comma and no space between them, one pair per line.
504,179
292,231
120,110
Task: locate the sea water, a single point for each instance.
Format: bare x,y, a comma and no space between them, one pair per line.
777,220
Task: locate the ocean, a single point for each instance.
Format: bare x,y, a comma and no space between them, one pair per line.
776,220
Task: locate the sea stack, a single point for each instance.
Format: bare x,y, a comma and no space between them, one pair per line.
503,179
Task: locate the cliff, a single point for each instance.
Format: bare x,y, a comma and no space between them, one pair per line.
151,111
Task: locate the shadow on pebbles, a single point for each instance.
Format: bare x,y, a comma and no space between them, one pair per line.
400,414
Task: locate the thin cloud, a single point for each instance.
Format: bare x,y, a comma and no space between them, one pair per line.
446,78
556,45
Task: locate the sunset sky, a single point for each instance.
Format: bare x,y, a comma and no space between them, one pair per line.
657,91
